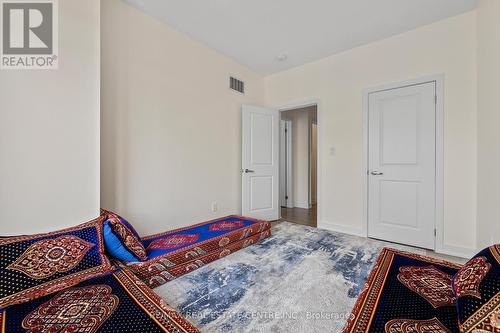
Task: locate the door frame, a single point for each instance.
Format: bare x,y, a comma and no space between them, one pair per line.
439,214
286,168
304,104
311,124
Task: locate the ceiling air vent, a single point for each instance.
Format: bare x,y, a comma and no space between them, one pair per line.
237,85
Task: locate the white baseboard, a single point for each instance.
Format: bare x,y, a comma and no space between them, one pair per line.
345,229
451,250
457,251
304,205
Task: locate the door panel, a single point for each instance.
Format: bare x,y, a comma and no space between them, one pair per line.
405,212
398,126
260,162
261,132
263,185
402,165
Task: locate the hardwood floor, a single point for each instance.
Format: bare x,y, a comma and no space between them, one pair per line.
300,215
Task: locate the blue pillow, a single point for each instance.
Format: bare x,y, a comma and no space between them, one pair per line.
126,235
115,246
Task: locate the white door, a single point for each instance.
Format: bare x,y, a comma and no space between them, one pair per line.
402,165
260,162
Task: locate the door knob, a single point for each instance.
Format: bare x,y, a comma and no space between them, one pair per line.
377,173
248,171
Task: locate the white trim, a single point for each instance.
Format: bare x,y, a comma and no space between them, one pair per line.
309,151
311,124
309,160
440,247
304,205
282,165
286,167
457,251
293,106
304,104
289,163
345,229
364,224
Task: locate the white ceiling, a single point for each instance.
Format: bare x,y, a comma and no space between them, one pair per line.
257,32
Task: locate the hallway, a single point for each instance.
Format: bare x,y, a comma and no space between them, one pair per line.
300,215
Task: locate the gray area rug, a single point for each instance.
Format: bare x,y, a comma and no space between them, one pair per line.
301,279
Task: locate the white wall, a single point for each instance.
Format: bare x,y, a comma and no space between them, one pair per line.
488,122
301,132
49,132
146,81
447,47
171,128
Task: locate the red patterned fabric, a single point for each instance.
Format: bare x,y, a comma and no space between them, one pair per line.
429,282
469,278
117,302
166,316
76,310
173,241
226,225
195,249
33,266
50,256
477,287
386,304
159,271
415,326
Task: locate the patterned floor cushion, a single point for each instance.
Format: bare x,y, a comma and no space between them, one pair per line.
182,245
157,273
121,239
37,265
477,289
116,303
406,293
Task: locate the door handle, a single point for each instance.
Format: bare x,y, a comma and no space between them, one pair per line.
376,173
248,171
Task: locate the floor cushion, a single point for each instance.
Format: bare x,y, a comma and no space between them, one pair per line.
37,265
121,239
477,289
406,293
157,274
116,303
181,245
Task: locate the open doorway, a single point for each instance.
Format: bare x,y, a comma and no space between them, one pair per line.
298,165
